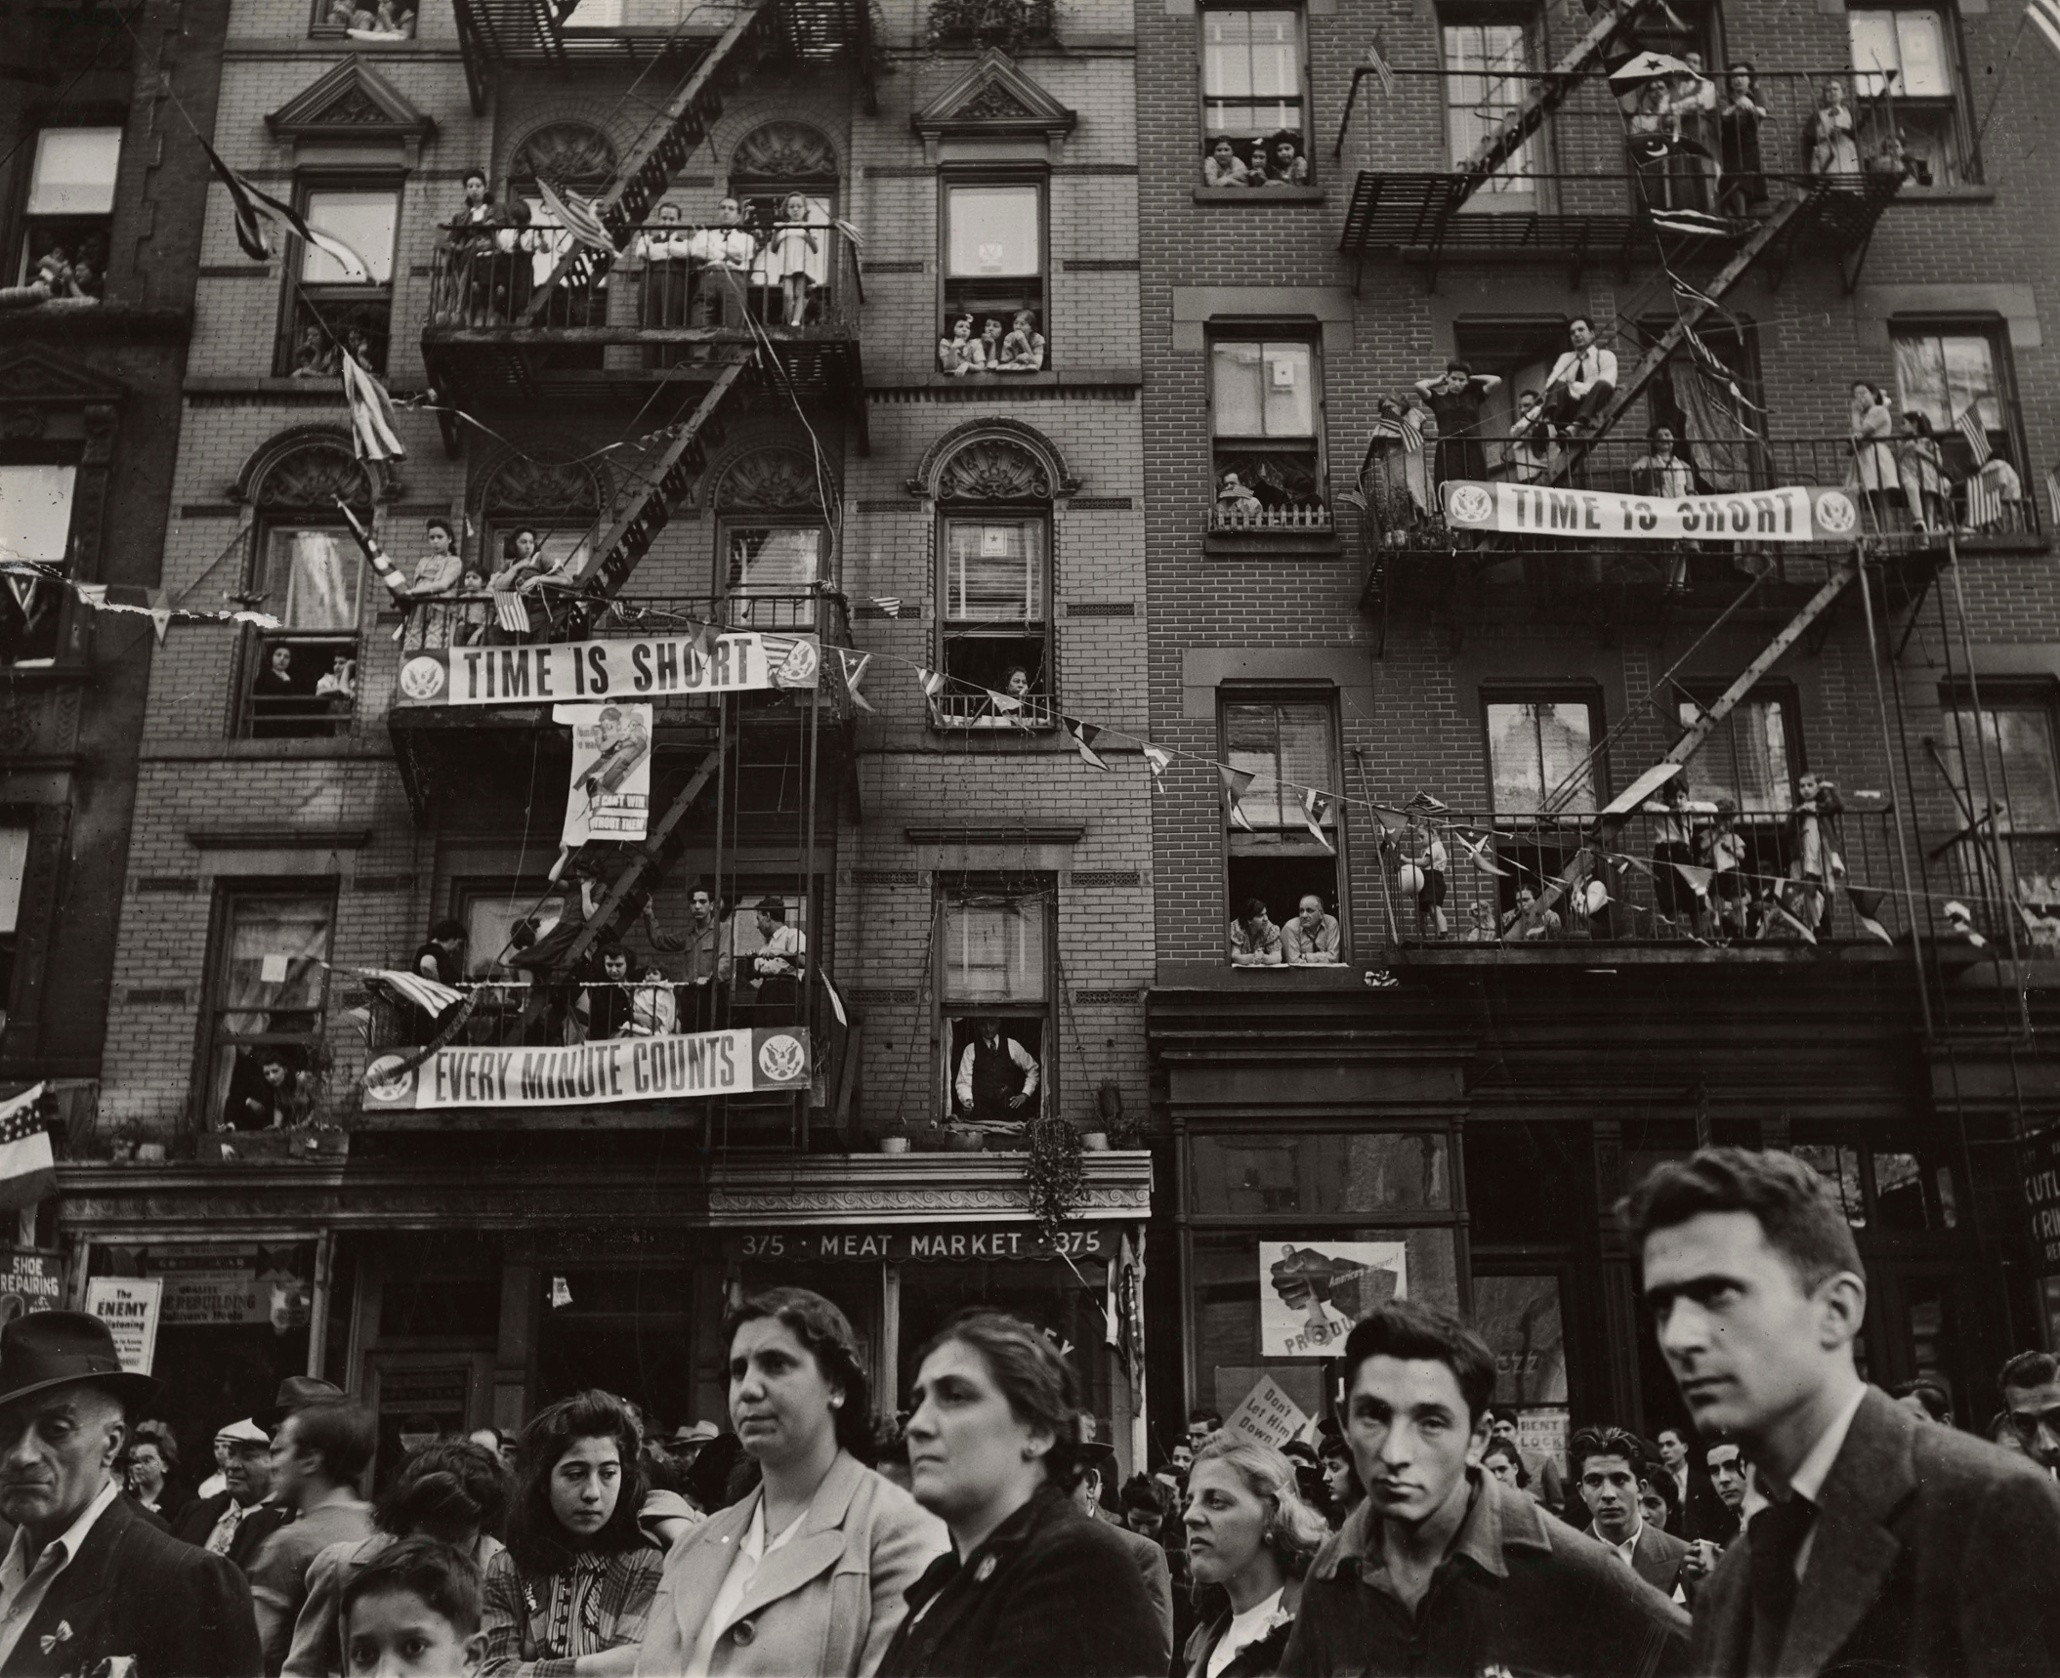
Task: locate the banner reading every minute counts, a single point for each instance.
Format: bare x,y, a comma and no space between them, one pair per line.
1796,514
589,1074
640,667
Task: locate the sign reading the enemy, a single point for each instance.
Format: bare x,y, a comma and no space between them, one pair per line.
1766,515
129,1305
643,667
593,1074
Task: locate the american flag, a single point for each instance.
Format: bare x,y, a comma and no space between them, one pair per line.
371,413
511,613
1984,502
2053,494
432,996
1691,222
577,216
1412,439
890,604
2046,15
28,1171
1377,62
256,209
1977,437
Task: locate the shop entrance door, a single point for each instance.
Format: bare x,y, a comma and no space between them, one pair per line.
626,1328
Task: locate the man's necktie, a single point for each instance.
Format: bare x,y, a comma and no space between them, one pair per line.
1776,1534
224,1534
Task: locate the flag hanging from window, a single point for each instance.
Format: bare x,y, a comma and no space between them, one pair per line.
1235,784
1376,61
578,217
1315,806
888,605
375,556
28,1170
371,412
1084,735
256,209
1971,428
432,996
1984,502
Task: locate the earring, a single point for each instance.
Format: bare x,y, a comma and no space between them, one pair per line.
837,1402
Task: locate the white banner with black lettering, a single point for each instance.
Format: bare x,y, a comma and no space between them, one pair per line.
634,667
594,1074
1795,514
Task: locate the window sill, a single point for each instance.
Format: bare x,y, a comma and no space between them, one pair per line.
1272,542
1000,384
1260,195
1944,195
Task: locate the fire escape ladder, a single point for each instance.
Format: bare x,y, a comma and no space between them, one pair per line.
670,480
1691,312
1547,94
632,888
664,149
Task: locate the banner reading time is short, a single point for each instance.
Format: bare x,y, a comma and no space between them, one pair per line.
1809,514
593,1074
640,667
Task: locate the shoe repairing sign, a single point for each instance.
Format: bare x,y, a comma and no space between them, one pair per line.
630,668
621,1070
1802,514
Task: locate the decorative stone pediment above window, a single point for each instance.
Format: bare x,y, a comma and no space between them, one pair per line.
994,100
351,105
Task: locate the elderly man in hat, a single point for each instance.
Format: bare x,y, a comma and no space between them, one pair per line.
236,1522
89,1583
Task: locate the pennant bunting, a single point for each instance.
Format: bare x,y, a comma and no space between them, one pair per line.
1866,906
831,994
1315,806
1004,704
1476,852
931,682
1429,804
1084,735
1971,428
92,594
1158,759
1961,919
160,613
257,209
703,638
1236,782
371,412
1698,878
854,672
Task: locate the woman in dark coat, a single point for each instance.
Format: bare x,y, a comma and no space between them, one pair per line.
1032,1586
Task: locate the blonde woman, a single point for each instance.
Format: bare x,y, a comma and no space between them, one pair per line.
1249,1531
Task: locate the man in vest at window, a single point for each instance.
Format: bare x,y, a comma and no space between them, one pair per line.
997,1080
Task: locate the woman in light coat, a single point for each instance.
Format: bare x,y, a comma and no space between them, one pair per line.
809,1574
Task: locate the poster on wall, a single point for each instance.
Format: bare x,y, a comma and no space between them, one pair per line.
1541,1435
130,1306
29,1281
609,795
1311,1295
224,1286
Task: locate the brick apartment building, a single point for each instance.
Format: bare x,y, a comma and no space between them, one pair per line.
89,428
694,440
1330,629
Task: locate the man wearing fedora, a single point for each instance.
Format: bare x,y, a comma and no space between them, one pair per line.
88,1583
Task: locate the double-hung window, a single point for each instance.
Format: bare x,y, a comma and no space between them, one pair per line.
1904,81
265,1004
70,209
341,297
1538,755
996,627
303,675
1486,82
996,972
1278,852
1953,375
1749,758
1264,409
994,269
1253,96
35,525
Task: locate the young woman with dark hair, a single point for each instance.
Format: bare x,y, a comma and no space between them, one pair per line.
455,1493
571,1592
1031,1585
730,1602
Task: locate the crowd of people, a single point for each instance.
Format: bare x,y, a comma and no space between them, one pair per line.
1802,1522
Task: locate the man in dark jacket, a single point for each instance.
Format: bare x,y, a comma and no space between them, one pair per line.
1147,1553
1443,1569
88,1581
235,1523
1874,1542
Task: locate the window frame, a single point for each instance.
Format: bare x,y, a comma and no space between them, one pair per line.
26,220
780,611
1778,693
323,296
205,1102
64,605
321,29
1264,333
963,887
995,175
1953,106
258,644
1535,161
1238,846
1588,694
2010,434
1956,705
1304,98
1042,714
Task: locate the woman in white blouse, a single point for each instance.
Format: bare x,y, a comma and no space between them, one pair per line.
809,1573
1249,1531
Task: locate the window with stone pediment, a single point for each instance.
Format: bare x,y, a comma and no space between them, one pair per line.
994,588
773,539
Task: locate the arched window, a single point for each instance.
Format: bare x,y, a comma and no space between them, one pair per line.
300,680
572,156
774,539
994,495
782,157
547,491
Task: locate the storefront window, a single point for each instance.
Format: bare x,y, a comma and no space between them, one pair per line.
625,1328
1519,1316
1066,1304
1266,1172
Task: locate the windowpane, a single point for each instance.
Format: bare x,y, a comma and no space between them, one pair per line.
1237,1175
2020,763
1519,1317
1534,748
1283,748
1482,92
1873,39
1941,374
1920,43
1745,758
774,560
312,578
1252,73
363,221
74,172
1264,389
994,571
36,512
272,969
994,231
1840,1169
994,952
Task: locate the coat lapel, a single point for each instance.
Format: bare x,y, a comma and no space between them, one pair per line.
70,1612
1854,1550
704,1562
816,1548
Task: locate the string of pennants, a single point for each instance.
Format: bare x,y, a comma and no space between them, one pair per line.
24,576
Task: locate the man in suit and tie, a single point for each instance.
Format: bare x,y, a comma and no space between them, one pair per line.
88,1582
1702,1512
1874,1543
1607,1465
235,1523
1583,380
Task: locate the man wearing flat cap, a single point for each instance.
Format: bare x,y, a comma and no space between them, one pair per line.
88,1583
236,1522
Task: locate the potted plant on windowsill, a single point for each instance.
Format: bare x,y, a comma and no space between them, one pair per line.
894,1139
1053,1175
